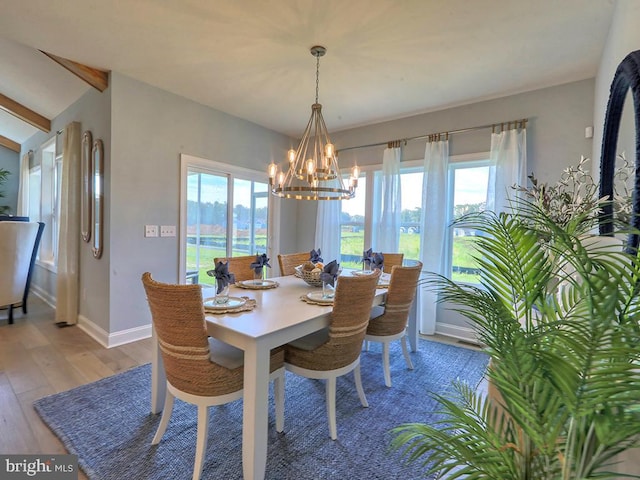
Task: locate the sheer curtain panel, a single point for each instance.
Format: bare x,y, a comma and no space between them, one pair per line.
508,167
387,238
69,236
434,221
328,229
23,188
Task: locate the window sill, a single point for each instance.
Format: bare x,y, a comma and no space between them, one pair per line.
53,268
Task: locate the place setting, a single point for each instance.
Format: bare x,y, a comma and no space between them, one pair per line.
327,277
222,302
372,261
258,282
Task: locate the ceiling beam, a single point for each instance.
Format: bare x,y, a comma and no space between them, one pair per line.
25,114
98,79
10,144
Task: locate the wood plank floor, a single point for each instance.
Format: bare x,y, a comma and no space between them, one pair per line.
37,359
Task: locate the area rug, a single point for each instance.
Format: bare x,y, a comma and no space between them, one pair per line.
109,426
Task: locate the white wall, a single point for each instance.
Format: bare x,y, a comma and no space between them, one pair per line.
623,38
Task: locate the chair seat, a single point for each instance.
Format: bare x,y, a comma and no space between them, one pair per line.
311,341
224,354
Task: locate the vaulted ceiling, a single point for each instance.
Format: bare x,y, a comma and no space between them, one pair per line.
385,59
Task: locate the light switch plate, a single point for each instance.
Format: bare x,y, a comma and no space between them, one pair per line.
151,230
167,230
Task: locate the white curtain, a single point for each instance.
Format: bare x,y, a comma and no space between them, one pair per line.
327,236
508,167
388,235
69,236
23,187
434,220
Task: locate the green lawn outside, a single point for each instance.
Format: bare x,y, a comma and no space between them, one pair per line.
352,244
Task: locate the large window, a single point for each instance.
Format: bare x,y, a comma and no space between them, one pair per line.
467,194
45,179
226,216
467,190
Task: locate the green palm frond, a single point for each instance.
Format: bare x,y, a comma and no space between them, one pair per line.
560,317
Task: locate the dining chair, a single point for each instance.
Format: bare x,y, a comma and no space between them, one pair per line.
289,261
239,266
335,350
391,260
18,246
388,322
200,370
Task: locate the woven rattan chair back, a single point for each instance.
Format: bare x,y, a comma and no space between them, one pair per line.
391,260
289,261
401,293
349,320
177,313
239,266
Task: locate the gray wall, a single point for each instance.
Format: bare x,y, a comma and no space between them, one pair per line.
10,160
150,129
555,134
92,110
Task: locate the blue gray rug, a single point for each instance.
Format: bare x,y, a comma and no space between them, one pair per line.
108,424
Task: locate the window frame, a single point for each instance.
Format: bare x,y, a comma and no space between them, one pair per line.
189,163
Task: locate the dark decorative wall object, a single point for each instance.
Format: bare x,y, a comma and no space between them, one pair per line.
626,78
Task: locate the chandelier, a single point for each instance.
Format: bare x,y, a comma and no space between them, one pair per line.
313,172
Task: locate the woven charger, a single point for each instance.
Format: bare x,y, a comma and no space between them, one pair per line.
248,305
312,278
310,301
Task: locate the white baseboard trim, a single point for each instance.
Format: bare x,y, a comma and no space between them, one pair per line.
463,333
42,295
110,340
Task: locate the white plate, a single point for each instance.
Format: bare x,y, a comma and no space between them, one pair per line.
257,283
233,302
318,298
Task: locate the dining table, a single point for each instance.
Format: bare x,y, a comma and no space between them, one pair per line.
279,316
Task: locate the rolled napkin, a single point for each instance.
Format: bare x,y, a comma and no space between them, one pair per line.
261,262
315,256
377,262
367,257
222,276
330,272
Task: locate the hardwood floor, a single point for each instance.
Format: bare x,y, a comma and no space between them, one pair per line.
38,358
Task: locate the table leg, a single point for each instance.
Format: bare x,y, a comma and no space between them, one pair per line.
158,377
412,327
255,411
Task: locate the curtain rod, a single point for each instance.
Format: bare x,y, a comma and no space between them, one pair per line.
522,123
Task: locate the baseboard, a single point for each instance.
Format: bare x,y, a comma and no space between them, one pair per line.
115,339
462,333
43,295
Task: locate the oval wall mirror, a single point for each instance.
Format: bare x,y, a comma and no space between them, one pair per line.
87,187
97,155
626,80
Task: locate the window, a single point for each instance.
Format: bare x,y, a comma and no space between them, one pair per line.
467,190
467,194
45,183
226,215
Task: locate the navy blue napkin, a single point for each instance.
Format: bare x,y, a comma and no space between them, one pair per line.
315,256
367,257
330,272
261,262
377,262
222,275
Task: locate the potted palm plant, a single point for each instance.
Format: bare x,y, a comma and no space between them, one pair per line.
559,313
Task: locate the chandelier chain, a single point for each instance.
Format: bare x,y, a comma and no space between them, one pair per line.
317,75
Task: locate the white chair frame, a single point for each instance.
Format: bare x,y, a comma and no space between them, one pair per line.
386,340
330,388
